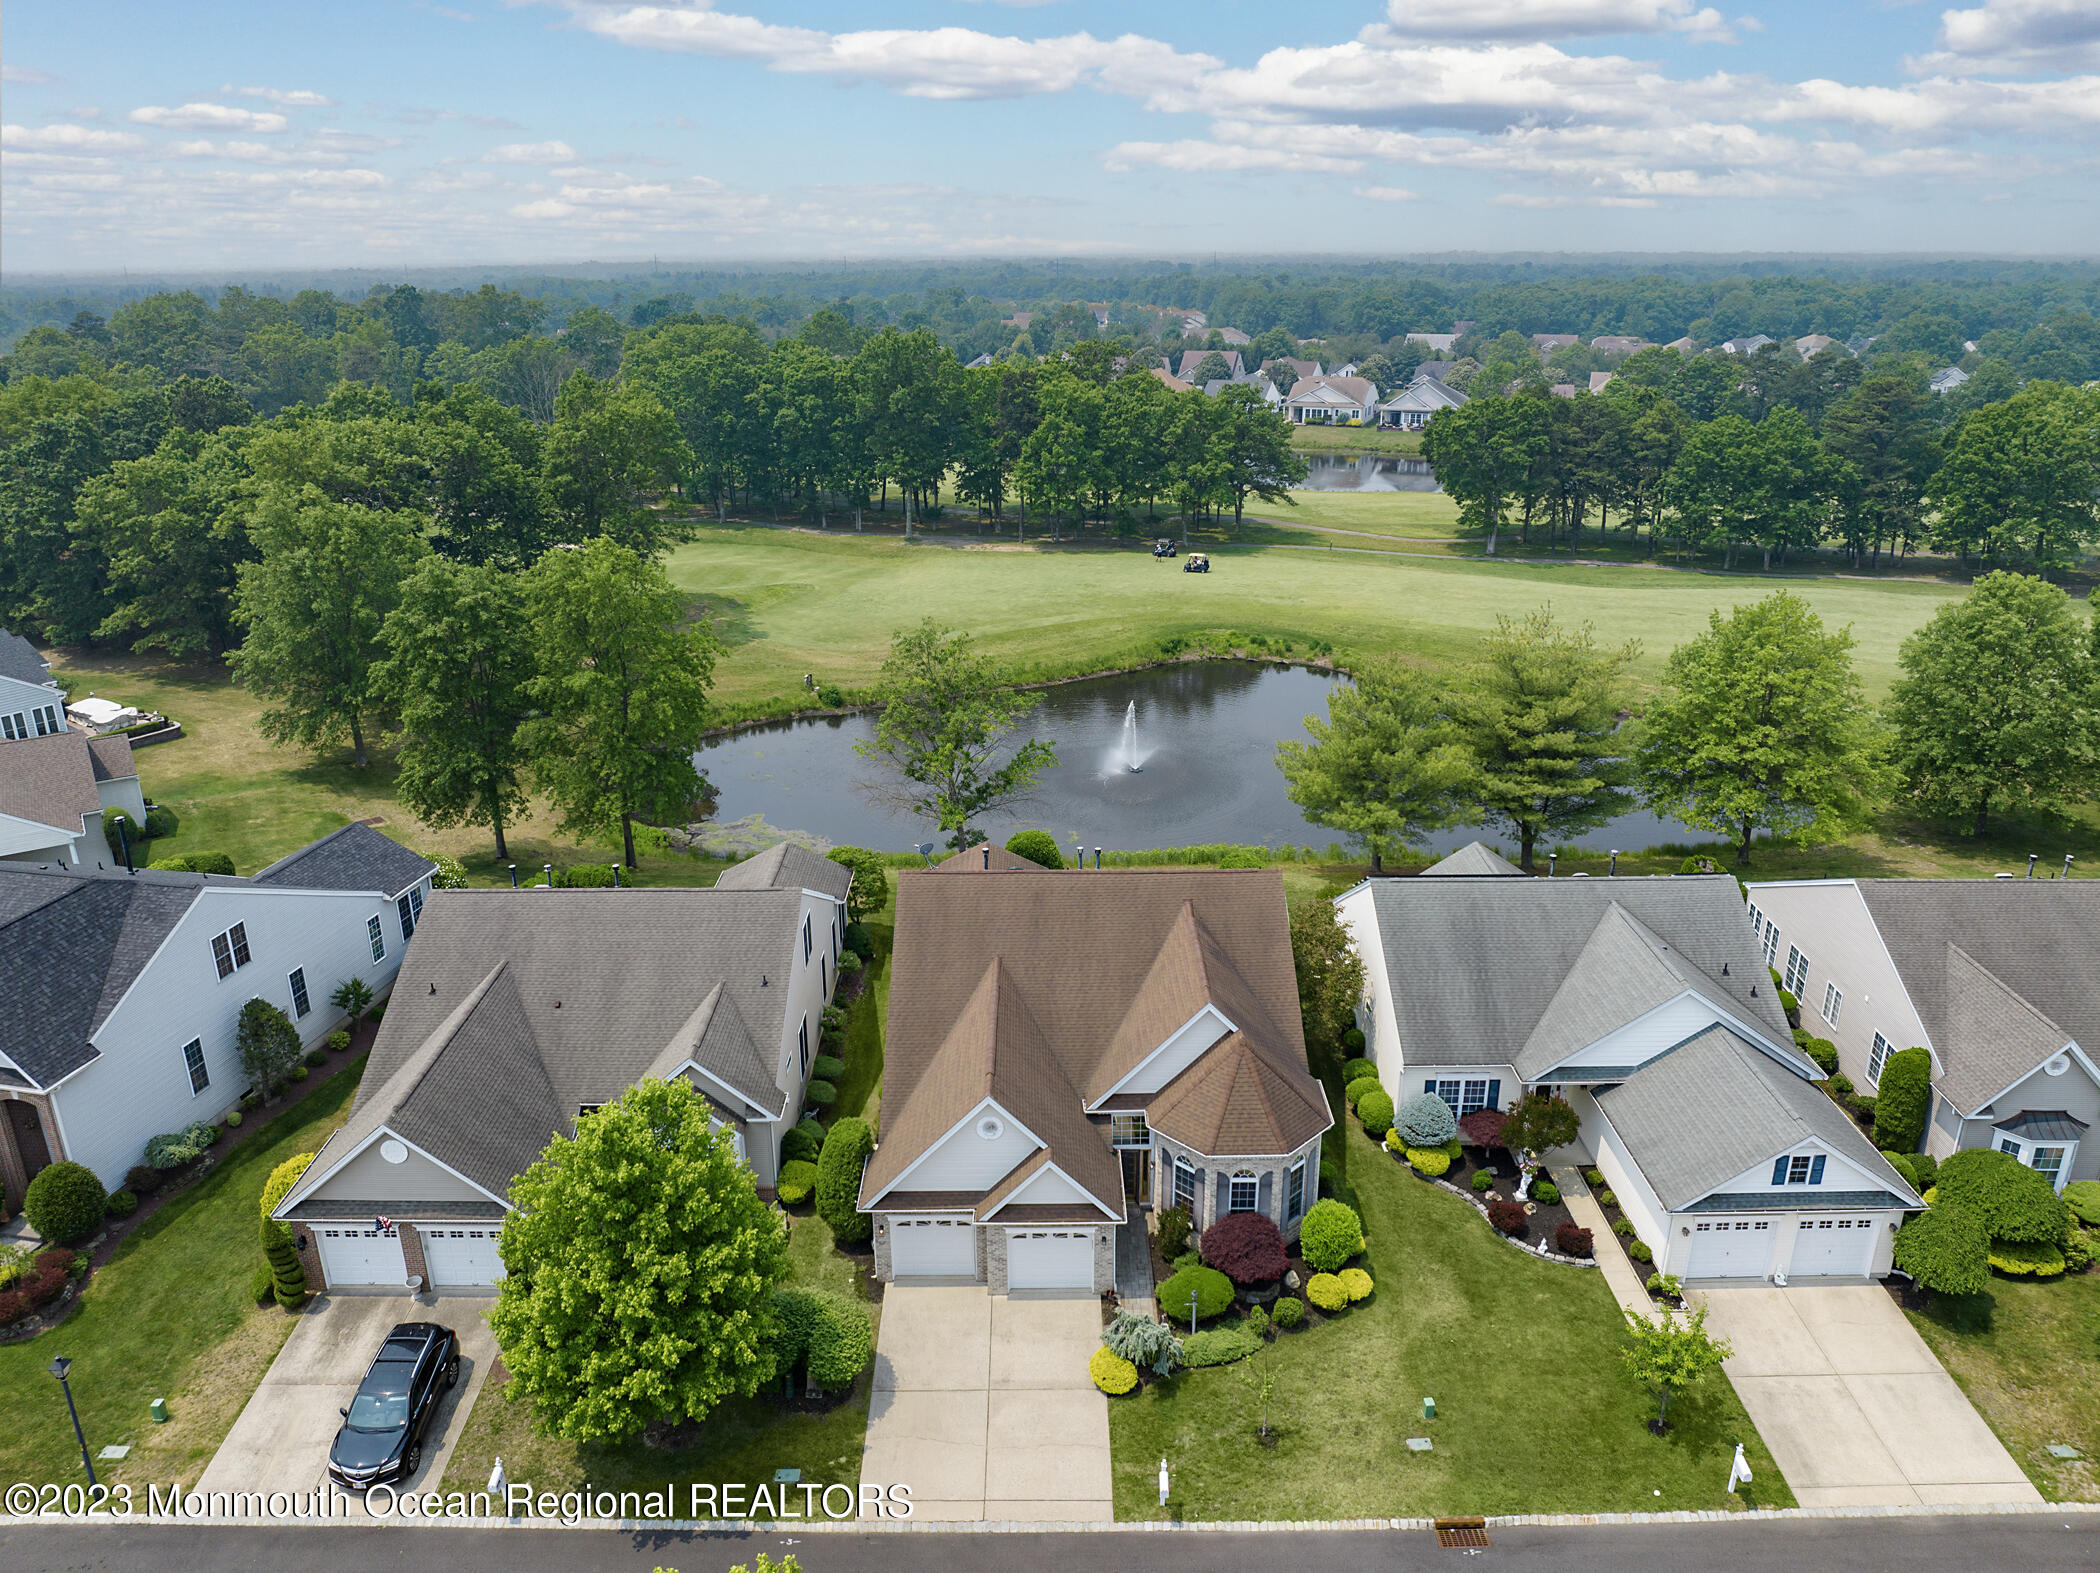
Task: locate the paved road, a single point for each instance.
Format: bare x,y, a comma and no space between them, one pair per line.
2042,1543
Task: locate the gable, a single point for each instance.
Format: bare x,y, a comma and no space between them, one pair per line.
966,1159
1647,1036
366,1175
1837,1173
1172,1057
1048,1186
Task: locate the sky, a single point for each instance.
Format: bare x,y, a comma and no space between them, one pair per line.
226,134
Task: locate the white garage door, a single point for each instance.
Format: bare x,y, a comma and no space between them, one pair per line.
353,1255
1730,1248
1833,1248
1049,1259
462,1255
933,1248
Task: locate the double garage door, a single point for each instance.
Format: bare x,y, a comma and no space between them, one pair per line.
1824,1246
355,1256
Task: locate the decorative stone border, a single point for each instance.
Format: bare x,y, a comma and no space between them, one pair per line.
1536,1253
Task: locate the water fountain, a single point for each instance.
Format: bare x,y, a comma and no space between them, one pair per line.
1129,752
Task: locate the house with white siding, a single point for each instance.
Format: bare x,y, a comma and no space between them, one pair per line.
55,780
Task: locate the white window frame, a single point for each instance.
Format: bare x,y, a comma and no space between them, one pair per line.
1877,1058
376,932
229,950
807,946
1127,1130
1252,1182
1771,944
199,1072
1184,1183
1294,1194
1796,971
2023,1151
302,1001
802,1042
1833,1002
1465,1095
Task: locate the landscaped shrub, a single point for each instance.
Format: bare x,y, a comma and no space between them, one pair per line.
1143,1342
1330,1235
176,1148
1256,1321
1211,1290
300,1073
2079,1250
1622,1226
233,1119
1038,846
268,1045
315,1058
161,821
1927,1169
1325,1291
1903,1100
2010,1200
1508,1217
1571,1239
1545,1192
287,1275
1375,1110
1245,1247
1541,1123
820,1094
1638,1250
1219,1346
1841,1086
143,1179
823,1332
1185,1260
1425,1120
1824,1053
1433,1162
797,1179
121,1204
1288,1312
2083,1198
1790,1005
1173,1225
275,1189
1358,1070
1945,1250
1355,1091
2021,1259
584,876
1668,1285
64,1201
1863,1107
119,829
1113,1374
1593,1178
196,863
1609,1199
450,873
798,1146
1353,1040
849,964
826,1067
845,1153
860,941
1483,1179
1483,1127
1355,1282
262,1283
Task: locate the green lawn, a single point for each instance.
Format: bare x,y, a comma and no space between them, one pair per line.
1421,518
1355,439
1535,1413
2028,1356
744,1439
168,1317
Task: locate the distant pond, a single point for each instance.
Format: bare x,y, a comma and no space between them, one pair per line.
1205,742
1367,472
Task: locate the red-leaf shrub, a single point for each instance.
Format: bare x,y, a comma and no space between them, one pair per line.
58,1256
1246,1248
14,1305
1509,1217
1483,1127
1571,1240
45,1285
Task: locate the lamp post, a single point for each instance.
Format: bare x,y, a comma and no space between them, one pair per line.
59,1368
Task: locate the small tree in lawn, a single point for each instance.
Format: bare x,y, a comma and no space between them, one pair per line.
1669,1354
353,997
1946,1251
1260,1377
640,1263
268,1045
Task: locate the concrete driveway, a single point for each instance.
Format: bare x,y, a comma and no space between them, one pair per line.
280,1442
1854,1407
983,1407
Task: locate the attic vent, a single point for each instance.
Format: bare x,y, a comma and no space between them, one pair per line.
2059,1065
393,1151
991,1128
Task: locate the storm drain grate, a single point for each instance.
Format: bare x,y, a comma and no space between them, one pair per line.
1461,1532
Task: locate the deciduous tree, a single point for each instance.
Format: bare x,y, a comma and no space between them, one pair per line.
1668,1353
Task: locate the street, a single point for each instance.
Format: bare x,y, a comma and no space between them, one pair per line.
2034,1543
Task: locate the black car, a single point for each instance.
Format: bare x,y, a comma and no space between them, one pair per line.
381,1438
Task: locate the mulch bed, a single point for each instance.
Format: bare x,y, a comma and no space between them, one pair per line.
1543,1218
1613,1241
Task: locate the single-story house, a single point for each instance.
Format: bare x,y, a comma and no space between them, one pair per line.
1413,407
1683,346
1173,383
1948,378
1069,1049
1192,361
1749,346
1332,401
1618,344
1288,371
1644,1002
519,1012
120,992
1547,343
1999,979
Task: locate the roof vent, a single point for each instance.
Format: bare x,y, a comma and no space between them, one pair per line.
991,1128
393,1151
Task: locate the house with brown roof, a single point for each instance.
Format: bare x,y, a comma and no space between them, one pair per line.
55,778
1618,344
1192,361
1068,1050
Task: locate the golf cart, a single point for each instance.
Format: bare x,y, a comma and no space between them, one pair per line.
1198,562
1164,548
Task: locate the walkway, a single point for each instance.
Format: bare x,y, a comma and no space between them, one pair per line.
1134,1266
1626,1288
1854,1407
983,1406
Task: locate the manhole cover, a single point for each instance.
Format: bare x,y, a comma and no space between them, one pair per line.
1461,1535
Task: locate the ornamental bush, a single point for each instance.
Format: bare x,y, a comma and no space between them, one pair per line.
64,1201
276,1188
1210,1289
1483,1179
1593,1178
2021,1259
1144,1343
584,876
1113,1374
1609,1198
1824,1053
1432,1162
2010,1200
797,1179
268,1045
2083,1198
1638,1250
1038,846
1355,1282
1841,1085
233,1119
1325,1291
1174,1226
121,1204
1330,1235
161,821
1508,1217
287,1274
824,1333
176,1148
1622,1226
315,1058
826,1067
1358,1070
1245,1247
1425,1120
860,941
845,1153
143,1179
1927,1169
820,1094
1257,1321
1353,1040
798,1146
1571,1239
1355,1091
1545,1192
1288,1312
1945,1250
1903,1100
1220,1346
1375,1111
1483,1127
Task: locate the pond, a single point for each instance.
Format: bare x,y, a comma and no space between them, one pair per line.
1205,741
1368,472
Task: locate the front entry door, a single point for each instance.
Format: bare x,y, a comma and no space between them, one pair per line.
1137,1176
28,1132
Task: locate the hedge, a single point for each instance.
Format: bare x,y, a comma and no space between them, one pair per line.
1824,1053
1113,1374
827,1334
65,1202
1946,1251
798,1178
1433,1162
1375,1110
1211,1290
1326,1291
2011,1201
2020,1259
586,876
1330,1235
799,1146
196,863
1219,1346
1903,1100
826,1067
1354,1092
845,1153
2083,1198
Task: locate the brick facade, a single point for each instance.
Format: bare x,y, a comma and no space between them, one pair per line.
1270,1172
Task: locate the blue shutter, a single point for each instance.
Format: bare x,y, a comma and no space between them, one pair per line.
1494,1094
1779,1171
1429,1085
1265,1194
1815,1171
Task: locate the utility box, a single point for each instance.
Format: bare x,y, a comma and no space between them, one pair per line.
1428,1409
159,1407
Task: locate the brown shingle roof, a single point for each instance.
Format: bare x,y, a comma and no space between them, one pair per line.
1239,1099
110,758
50,780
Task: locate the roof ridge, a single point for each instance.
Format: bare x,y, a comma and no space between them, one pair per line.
2025,1004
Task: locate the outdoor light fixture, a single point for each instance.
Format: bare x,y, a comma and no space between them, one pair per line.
59,1368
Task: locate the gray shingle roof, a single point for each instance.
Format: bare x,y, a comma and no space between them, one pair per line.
786,866
1994,967
1715,1107
19,660
1475,857
1475,964
545,1000
1625,970
356,857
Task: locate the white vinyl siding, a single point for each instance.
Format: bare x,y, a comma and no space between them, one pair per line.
1833,1002
193,1062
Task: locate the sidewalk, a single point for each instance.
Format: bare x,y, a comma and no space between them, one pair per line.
1625,1287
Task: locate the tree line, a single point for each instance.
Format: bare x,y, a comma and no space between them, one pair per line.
1761,727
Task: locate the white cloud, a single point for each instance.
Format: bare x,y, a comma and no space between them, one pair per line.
208,117
26,76
529,153
297,98
68,139
1541,19
2021,35
1196,157
1388,193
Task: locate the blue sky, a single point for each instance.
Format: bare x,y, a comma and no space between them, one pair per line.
291,134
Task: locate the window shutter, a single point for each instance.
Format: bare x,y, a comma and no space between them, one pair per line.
1196,1200
1494,1094
1429,1085
1779,1171
1265,1195
1815,1171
